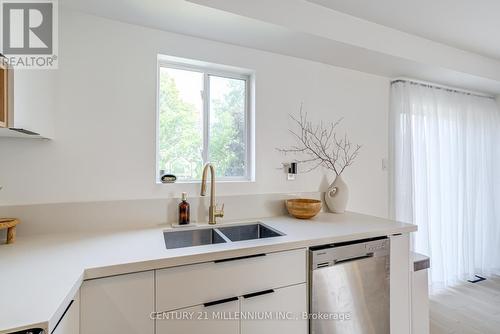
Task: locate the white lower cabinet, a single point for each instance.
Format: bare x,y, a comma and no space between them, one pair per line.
400,284
264,312
118,305
201,319
200,283
259,294
420,295
70,321
276,311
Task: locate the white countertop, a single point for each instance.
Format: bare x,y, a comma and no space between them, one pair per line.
40,275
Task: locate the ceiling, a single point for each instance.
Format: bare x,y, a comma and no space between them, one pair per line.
191,18
183,17
471,25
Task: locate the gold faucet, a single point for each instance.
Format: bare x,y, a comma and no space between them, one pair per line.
213,213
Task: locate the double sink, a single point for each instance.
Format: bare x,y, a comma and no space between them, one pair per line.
218,235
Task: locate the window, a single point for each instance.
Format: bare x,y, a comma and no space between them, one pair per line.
203,116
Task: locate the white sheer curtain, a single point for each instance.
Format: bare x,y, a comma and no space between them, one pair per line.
445,148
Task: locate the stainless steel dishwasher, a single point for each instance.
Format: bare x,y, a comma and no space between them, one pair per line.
350,288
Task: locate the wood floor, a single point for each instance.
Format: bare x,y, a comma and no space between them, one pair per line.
467,308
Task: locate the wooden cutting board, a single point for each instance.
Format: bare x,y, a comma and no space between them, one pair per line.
10,225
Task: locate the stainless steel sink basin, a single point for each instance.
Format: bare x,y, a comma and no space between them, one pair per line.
188,238
249,232
208,236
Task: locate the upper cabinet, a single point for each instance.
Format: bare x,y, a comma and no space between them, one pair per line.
27,102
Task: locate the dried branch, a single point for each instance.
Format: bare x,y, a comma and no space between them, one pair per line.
321,145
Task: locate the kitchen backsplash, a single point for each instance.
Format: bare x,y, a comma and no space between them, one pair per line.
108,215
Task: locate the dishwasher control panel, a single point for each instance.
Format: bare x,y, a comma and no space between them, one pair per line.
329,255
376,246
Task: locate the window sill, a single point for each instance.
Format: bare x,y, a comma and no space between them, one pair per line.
217,181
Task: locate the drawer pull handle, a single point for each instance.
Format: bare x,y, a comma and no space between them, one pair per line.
62,316
239,258
222,301
256,294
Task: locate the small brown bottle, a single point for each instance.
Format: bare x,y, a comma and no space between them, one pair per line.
184,210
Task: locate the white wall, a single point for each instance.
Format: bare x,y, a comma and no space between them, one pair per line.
104,147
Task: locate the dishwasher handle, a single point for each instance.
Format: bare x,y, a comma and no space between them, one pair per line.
354,258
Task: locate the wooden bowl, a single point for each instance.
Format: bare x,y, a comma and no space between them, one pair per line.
303,208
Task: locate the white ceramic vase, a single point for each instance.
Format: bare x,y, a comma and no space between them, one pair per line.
337,195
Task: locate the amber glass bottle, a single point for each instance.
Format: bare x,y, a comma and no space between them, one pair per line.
184,210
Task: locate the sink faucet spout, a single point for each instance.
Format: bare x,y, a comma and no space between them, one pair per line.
213,213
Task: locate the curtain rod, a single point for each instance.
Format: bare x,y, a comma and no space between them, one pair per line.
445,88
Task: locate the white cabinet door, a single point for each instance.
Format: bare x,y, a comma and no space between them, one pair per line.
118,305
420,302
33,103
196,284
283,308
70,321
201,319
400,284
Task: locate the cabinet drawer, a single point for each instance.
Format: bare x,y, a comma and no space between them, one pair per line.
205,282
289,303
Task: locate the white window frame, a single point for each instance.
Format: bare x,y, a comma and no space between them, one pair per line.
209,69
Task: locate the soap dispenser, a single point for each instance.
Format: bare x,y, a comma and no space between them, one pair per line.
184,210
